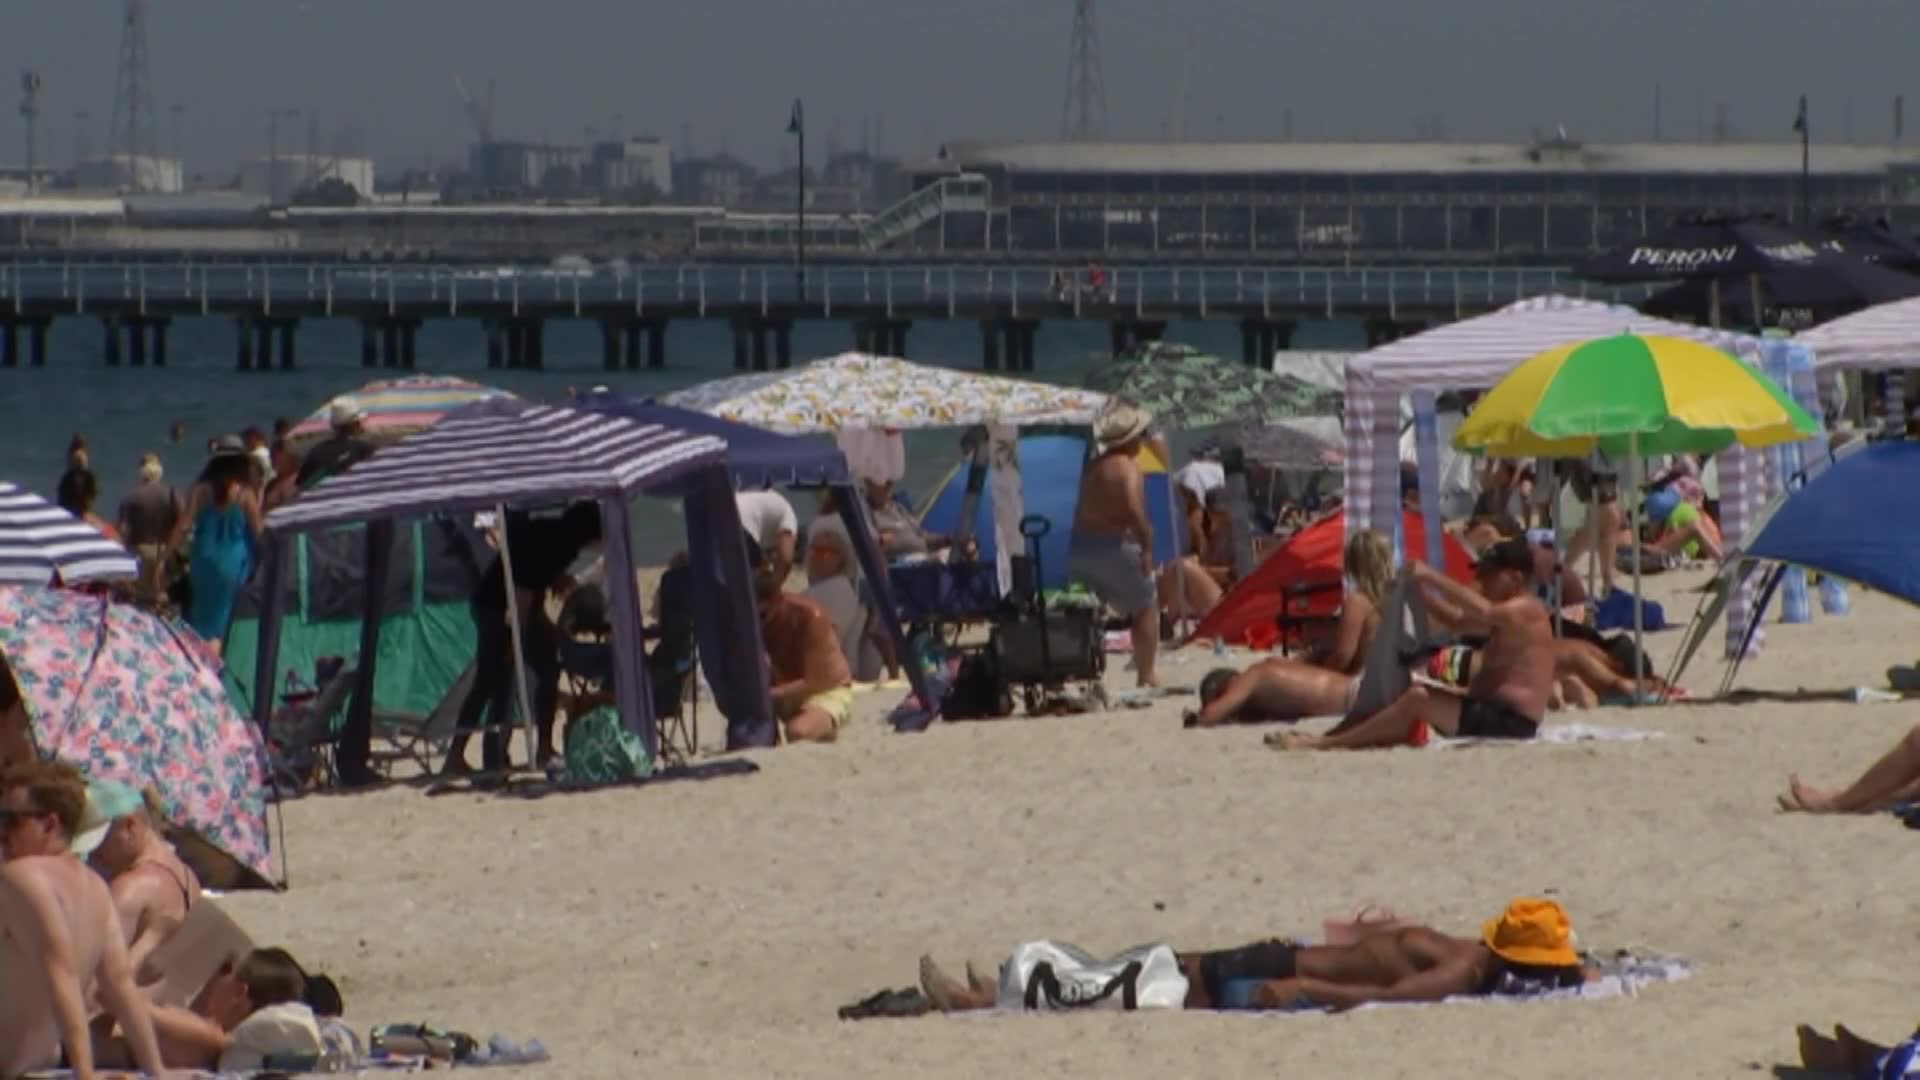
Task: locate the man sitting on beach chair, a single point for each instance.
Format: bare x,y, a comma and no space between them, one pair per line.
61,947
1529,945
812,686
1506,698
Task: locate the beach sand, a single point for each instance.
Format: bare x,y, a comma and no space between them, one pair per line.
711,928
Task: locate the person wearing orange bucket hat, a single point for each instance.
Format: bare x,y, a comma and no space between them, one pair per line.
1527,948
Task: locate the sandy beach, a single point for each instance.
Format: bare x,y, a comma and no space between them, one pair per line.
711,928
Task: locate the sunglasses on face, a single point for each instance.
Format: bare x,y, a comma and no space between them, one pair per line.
9,815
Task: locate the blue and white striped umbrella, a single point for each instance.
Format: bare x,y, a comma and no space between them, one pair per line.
39,540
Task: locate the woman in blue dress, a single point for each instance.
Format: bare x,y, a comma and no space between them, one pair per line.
224,513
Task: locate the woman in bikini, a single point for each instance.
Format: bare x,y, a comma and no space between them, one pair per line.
1282,688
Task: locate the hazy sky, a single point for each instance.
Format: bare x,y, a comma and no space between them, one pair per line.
725,70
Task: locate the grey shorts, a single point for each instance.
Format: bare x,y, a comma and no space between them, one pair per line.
1110,566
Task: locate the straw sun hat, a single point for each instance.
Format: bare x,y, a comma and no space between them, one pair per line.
1533,932
1121,422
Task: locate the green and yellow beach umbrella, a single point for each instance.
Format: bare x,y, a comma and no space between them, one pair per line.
1631,395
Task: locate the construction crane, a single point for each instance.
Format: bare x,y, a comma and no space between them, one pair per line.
30,110
480,113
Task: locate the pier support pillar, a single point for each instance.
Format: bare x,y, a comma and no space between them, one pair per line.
535,330
881,337
610,332
110,344
9,345
759,348
740,345
633,337
390,344
136,342
496,345
287,329
37,342
243,344
370,346
409,329
657,345
1260,339
263,350
1382,331
783,345
159,327
990,334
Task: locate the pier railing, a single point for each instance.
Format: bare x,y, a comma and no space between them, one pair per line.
953,290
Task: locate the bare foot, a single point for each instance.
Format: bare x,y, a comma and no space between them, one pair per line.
942,989
1147,682
1819,1053
981,983
1292,740
1858,1054
1802,798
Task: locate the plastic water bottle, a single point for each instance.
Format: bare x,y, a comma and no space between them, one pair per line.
1795,605
1833,596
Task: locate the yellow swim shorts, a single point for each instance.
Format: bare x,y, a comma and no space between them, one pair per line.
836,703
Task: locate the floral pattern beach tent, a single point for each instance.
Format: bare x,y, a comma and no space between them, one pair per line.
125,696
394,408
1186,389
854,390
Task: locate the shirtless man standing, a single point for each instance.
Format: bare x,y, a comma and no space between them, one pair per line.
812,685
152,889
1112,547
1532,940
60,941
1508,695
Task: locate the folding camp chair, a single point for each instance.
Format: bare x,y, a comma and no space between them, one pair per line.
586,652
302,735
424,739
673,668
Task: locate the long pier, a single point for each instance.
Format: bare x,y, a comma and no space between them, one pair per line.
135,302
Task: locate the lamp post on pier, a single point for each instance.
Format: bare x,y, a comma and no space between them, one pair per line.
797,127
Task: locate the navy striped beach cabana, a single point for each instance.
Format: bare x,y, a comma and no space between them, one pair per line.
524,455
39,540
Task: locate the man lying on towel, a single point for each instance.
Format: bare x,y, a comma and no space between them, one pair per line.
1528,947
1508,694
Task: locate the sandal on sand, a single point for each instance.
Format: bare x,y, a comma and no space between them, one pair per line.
902,1003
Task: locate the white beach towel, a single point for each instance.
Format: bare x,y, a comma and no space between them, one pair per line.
1556,735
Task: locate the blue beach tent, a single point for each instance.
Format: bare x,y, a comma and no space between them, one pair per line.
1844,522
1050,485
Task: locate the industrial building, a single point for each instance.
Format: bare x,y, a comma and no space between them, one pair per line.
1552,201
282,177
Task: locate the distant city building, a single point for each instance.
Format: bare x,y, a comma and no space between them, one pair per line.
722,180
521,167
129,172
1548,202
626,166
285,176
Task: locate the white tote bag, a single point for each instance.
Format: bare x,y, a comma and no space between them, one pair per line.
1046,976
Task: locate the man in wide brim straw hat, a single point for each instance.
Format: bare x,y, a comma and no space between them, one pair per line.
1112,547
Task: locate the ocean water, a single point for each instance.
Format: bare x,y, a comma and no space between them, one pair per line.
126,412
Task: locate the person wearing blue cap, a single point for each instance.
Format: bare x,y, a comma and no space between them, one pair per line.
152,889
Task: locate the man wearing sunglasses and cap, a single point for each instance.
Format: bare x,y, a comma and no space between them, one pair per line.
60,939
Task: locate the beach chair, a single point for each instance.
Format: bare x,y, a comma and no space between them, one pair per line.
302,735
423,739
586,652
180,967
673,668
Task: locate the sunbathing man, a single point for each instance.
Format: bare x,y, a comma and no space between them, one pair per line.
1531,942
152,889
1112,547
1282,688
812,686
61,945
1895,778
1506,698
